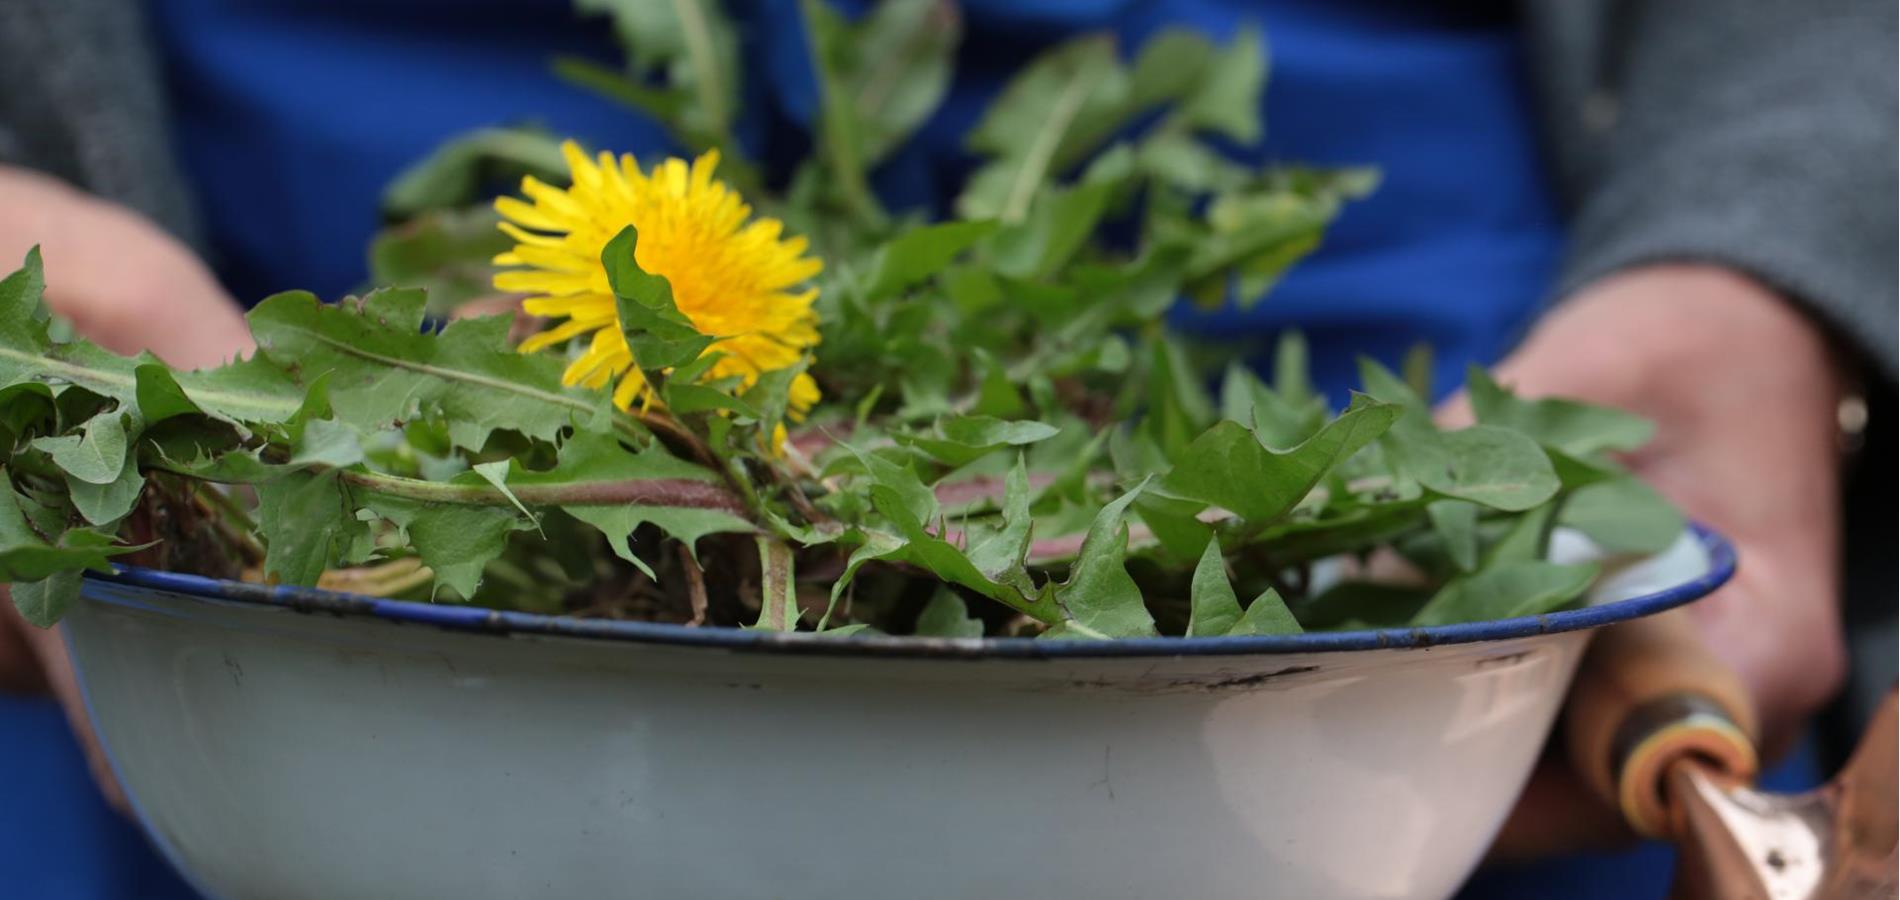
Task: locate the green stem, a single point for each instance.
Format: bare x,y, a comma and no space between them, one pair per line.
678,493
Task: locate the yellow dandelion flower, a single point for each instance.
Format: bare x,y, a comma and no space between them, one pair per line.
731,277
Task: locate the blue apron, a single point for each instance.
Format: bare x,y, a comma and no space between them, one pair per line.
291,115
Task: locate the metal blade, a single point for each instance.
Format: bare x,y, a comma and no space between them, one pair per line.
1833,843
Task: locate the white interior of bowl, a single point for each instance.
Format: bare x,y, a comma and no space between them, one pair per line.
1623,577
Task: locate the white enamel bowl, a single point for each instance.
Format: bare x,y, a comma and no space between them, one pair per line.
294,744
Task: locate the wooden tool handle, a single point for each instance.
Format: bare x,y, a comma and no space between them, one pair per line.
1650,694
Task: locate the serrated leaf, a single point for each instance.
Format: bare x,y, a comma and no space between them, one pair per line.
1292,378
307,525
26,555
1578,472
946,616
456,541
43,603
97,454
898,495
840,133
383,367
1525,538
1486,464
893,68
1062,98
446,253
686,399
228,466
28,352
948,562
1052,112
77,549
1228,99
1100,599
1362,604
960,440
1578,429
1134,453
972,288
456,172
1623,515
22,315
906,489
1057,223
875,545
96,372
770,396
1228,466
249,390
1170,64
999,555
1181,161
160,396
1297,539
697,369
684,396
1456,522
327,443
659,103
920,253
1258,235
996,395
1507,590
104,504
1267,614
694,43
1278,420
1178,404
1381,384
659,335
25,407
1214,609
855,628
1175,524
496,474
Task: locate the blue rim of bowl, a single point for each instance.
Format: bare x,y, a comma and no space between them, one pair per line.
1720,553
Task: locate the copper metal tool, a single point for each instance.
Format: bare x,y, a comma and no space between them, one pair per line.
1663,732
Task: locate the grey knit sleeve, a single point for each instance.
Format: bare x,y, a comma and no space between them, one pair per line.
82,98
1758,134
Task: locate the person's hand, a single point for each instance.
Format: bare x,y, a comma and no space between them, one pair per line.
124,283
129,286
1744,392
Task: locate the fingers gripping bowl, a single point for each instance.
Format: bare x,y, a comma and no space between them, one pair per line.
294,743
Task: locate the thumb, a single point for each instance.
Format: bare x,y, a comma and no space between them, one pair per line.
155,296
124,283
